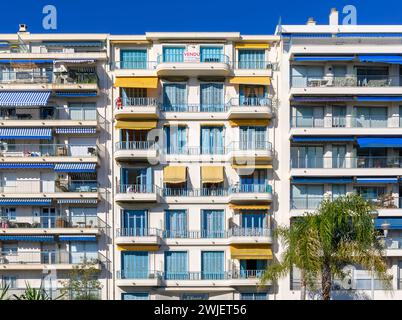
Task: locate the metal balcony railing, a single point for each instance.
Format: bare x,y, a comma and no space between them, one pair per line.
306,202
250,145
136,188
179,58
135,145
42,186
345,81
77,186
52,221
250,102
362,121
251,188
363,162
45,77
138,232
202,192
253,64
47,150
139,102
140,274
134,64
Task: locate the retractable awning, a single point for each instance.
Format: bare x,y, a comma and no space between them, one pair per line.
75,61
23,165
379,142
252,166
323,99
77,238
25,202
137,82
324,58
75,167
174,174
322,180
136,125
77,201
251,252
376,180
250,45
392,223
249,207
138,247
248,122
27,238
76,94
322,138
75,130
25,133
24,61
212,174
392,59
24,98
264,81
74,44
378,98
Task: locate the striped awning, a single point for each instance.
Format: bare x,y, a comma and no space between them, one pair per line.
77,238
77,201
251,252
76,94
73,44
75,130
25,133
23,165
27,238
250,207
377,180
25,202
75,167
75,61
24,98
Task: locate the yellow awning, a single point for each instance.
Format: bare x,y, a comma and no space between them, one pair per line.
211,174
174,174
133,247
251,166
251,252
212,124
248,207
264,81
245,45
137,82
136,125
249,122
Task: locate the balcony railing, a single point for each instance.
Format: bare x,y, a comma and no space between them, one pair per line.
250,102
77,186
135,145
134,65
217,234
251,188
363,162
179,58
253,64
136,188
47,257
392,243
202,192
140,274
306,202
140,102
345,122
345,81
42,186
138,232
47,150
41,77
250,145
338,285
51,222
61,294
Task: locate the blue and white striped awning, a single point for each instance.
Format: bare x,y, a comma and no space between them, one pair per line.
75,61
27,238
24,98
25,202
76,94
77,238
23,165
25,133
380,180
75,167
75,130
77,201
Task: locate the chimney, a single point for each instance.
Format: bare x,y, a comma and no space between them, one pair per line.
334,17
23,27
311,22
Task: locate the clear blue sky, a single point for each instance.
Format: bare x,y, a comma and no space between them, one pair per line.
139,16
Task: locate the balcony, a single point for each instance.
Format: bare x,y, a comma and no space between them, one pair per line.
142,236
126,278
393,246
350,84
47,153
137,150
39,260
250,108
240,235
49,116
307,202
136,193
250,152
137,108
253,193
178,64
52,225
195,195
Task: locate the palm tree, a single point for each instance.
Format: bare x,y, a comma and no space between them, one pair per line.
3,292
339,233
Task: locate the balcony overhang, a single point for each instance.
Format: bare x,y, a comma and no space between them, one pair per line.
138,112
150,155
252,198
193,69
136,197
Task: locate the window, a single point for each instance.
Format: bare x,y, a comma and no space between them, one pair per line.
338,156
133,96
253,138
48,218
338,116
212,265
173,54
83,111
213,223
211,97
306,76
133,59
252,59
307,157
175,139
254,296
83,251
135,296
253,95
256,182
371,117
175,97
308,117
136,180
211,54
338,190
252,268
134,265
9,214
176,223
134,223
377,76
176,265
84,216
251,220
194,296
212,140
10,281
307,196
